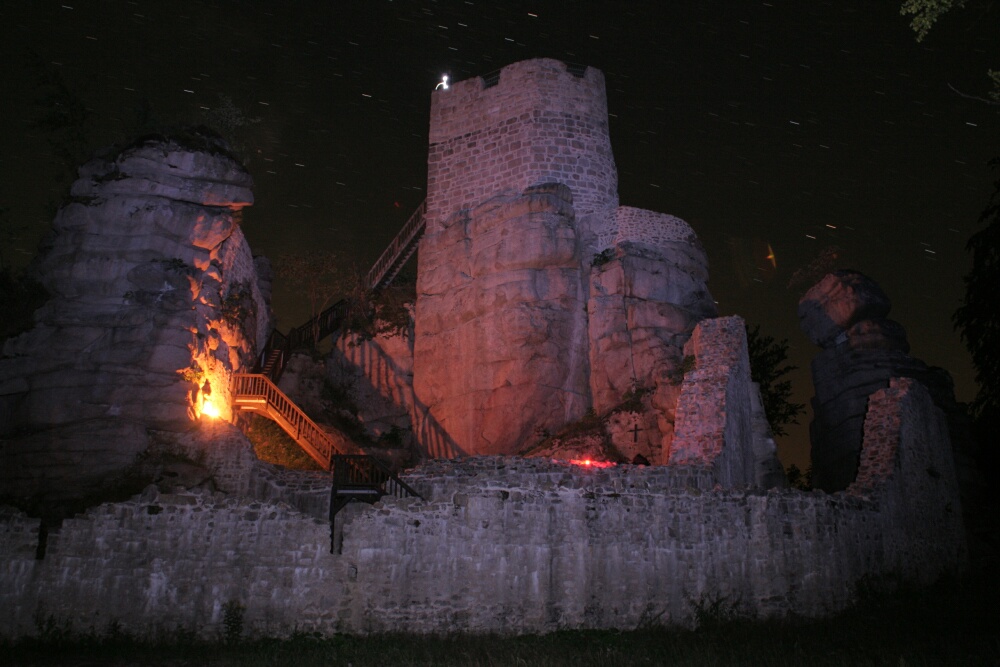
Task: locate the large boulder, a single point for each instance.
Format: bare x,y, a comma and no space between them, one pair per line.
154,305
845,313
500,345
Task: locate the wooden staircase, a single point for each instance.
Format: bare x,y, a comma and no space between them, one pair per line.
361,479
255,392
279,346
402,247
258,392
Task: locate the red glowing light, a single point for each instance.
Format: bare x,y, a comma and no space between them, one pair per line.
588,463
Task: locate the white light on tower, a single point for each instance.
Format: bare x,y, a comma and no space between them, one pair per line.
444,83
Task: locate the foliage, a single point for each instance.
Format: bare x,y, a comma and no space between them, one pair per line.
231,122
62,116
766,369
9,234
799,480
978,318
603,257
715,612
323,275
385,312
239,310
232,621
925,13
688,364
951,623
632,400
192,373
825,261
394,437
176,265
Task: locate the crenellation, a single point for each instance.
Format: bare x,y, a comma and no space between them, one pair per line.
518,133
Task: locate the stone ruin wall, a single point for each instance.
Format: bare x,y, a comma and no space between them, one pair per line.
500,544
636,225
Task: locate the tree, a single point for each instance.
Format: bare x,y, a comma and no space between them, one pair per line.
767,367
798,479
323,275
925,14
978,318
62,115
234,125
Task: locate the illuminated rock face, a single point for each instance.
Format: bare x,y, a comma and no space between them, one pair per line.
501,345
538,297
153,293
647,292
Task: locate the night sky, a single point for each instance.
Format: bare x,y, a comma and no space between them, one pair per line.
800,125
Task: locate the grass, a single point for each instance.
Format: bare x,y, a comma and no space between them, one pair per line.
949,624
272,444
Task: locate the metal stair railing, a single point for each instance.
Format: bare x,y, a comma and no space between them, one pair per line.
361,478
257,393
404,243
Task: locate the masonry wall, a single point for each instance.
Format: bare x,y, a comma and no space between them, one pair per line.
538,124
504,544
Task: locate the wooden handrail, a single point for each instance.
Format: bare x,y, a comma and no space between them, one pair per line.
253,391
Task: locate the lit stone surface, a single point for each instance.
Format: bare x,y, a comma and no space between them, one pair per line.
139,268
500,346
520,326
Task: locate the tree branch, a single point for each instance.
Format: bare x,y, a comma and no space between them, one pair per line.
973,97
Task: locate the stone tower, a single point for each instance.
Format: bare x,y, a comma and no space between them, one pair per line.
501,333
538,297
533,122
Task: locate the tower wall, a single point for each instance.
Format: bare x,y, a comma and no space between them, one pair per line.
539,123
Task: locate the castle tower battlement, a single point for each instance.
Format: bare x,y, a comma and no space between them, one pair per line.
533,122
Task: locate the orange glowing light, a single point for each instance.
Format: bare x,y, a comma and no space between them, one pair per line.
209,408
771,257
588,463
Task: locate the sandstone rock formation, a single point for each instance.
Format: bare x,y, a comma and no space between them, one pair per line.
845,314
154,304
501,346
647,292
539,298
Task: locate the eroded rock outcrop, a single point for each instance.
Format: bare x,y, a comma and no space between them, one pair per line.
154,304
647,292
501,333
539,297
845,314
